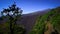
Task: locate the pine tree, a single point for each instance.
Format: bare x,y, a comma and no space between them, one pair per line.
13,13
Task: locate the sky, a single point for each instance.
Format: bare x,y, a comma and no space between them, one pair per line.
29,6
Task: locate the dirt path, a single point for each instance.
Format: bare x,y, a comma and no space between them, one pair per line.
49,28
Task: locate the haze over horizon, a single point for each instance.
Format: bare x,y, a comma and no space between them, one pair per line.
29,6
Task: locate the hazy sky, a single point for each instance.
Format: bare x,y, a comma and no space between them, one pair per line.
29,6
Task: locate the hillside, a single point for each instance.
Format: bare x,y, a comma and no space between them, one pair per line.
28,20
48,23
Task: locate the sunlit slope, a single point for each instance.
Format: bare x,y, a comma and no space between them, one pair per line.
48,23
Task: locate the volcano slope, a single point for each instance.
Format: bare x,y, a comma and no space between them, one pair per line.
48,23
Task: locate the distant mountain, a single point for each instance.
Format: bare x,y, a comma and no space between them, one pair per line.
38,12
